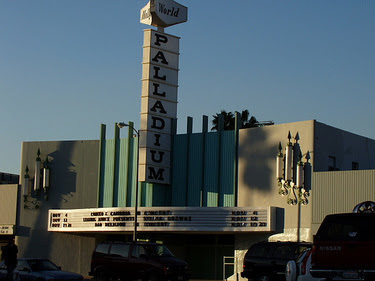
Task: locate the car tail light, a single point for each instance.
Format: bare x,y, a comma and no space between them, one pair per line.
304,263
165,268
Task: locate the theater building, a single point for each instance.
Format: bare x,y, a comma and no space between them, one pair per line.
221,196
206,195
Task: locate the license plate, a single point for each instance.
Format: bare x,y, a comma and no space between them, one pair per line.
350,275
180,278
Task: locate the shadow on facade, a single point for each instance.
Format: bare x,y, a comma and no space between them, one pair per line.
62,186
256,156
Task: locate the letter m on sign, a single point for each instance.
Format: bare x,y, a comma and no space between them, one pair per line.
155,174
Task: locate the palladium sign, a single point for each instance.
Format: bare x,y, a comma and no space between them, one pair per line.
159,89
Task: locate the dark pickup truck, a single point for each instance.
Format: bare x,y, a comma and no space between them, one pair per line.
344,247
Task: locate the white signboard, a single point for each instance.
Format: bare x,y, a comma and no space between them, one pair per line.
6,230
163,13
159,105
164,219
162,91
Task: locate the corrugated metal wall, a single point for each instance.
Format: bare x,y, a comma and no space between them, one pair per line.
108,174
203,172
340,191
204,169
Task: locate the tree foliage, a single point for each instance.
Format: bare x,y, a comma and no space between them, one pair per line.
247,121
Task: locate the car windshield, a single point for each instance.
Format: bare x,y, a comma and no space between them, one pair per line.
40,265
354,227
157,251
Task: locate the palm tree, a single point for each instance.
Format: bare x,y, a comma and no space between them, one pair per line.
229,120
246,122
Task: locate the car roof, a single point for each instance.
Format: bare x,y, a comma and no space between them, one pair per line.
352,215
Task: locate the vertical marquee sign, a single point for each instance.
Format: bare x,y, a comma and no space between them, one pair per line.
159,89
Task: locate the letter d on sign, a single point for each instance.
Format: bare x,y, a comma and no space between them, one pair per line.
157,123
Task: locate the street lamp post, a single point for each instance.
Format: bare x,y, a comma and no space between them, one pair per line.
122,125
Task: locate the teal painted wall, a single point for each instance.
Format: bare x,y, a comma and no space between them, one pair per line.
205,177
203,172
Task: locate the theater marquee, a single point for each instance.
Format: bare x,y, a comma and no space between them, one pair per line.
164,219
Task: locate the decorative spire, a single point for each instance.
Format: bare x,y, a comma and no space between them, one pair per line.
289,137
280,148
38,155
296,137
307,157
27,172
45,164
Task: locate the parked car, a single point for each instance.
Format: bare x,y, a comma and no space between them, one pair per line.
39,270
299,270
344,246
265,261
136,260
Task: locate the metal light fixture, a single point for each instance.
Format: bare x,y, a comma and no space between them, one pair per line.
122,125
37,172
26,184
42,172
46,173
290,173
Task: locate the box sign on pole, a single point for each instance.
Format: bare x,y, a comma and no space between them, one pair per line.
163,13
159,89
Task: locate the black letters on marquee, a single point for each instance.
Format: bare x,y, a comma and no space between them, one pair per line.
163,53
156,93
157,139
157,123
160,39
156,75
156,175
158,105
154,159
161,56
245,219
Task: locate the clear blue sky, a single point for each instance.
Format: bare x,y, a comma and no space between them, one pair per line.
66,66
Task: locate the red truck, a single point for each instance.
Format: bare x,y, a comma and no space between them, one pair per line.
344,247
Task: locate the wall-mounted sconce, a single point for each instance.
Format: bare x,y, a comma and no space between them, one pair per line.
293,176
46,172
290,172
37,172
40,183
26,183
